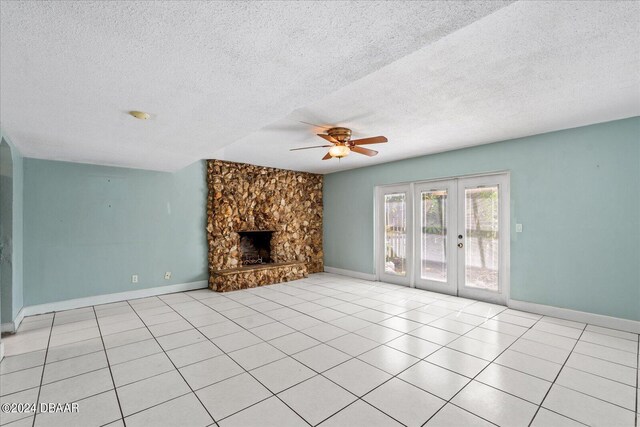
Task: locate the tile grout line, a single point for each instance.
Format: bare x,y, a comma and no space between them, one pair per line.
546,360
417,362
429,323
572,351
106,355
354,357
595,375
323,296
316,372
556,378
423,359
94,352
43,369
242,367
577,369
353,332
343,292
141,357
445,346
489,364
341,363
175,367
155,404
380,345
577,352
70,358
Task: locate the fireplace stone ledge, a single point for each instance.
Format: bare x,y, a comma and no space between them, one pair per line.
252,276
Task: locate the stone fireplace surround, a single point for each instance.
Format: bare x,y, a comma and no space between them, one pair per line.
245,198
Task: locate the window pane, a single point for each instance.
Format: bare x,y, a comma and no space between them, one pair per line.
481,243
433,240
395,234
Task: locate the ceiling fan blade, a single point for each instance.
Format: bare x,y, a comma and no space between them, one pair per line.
306,148
326,156
372,140
364,151
328,138
315,125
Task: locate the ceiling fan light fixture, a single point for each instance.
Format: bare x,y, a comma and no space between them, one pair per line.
339,151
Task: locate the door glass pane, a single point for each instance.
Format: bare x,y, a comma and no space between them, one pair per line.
395,233
481,243
433,236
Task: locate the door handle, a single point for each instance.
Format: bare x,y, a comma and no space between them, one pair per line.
460,245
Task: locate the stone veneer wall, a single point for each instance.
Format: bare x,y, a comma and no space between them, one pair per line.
248,197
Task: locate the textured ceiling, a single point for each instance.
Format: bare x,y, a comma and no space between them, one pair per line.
529,68
231,80
210,73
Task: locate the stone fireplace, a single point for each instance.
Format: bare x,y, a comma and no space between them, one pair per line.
264,225
255,247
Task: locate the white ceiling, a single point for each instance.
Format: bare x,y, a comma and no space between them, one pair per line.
232,80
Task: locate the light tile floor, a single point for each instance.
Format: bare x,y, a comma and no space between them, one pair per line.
328,350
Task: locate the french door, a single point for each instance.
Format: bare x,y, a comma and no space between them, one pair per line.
449,236
435,249
394,232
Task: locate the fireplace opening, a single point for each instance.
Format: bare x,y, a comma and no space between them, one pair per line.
255,247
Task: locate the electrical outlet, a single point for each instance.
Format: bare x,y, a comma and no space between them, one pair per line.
518,228
167,275
134,278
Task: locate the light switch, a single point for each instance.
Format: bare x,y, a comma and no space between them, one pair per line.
518,228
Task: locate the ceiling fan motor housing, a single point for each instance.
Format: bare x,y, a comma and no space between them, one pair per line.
340,134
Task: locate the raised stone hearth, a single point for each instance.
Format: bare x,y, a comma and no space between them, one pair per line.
284,206
251,276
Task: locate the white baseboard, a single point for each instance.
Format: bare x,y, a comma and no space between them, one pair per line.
13,326
18,320
350,273
108,298
627,325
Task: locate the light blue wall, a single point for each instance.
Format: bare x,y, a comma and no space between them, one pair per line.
576,192
6,231
11,213
89,228
18,232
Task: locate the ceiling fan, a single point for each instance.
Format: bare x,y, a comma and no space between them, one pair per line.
342,144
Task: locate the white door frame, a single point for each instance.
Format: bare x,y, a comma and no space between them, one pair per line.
381,275
502,181
450,286
505,218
